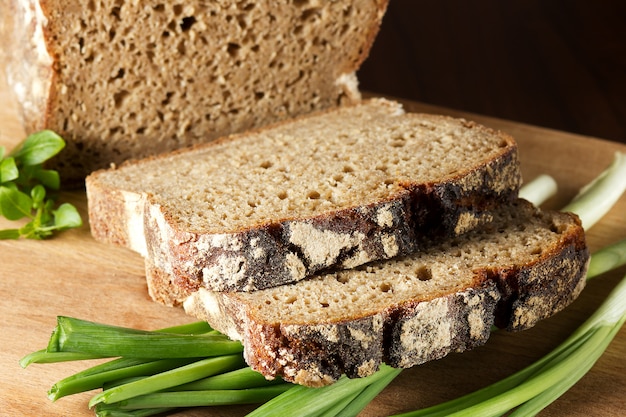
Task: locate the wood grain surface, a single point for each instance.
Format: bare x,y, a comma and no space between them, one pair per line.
73,275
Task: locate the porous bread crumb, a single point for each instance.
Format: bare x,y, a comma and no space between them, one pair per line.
348,158
126,79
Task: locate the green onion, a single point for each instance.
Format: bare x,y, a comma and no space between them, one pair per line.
596,198
539,189
606,259
341,404
357,404
311,402
74,335
104,410
196,327
168,379
43,356
179,399
122,368
237,379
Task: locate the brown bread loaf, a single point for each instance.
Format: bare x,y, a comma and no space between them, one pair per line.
127,79
523,267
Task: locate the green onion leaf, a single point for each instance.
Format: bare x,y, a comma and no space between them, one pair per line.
168,379
237,379
596,198
198,398
122,368
74,335
358,403
43,356
539,189
311,402
606,259
104,410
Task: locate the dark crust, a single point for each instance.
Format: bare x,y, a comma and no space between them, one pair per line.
554,294
275,241
321,359
438,207
514,297
459,315
528,298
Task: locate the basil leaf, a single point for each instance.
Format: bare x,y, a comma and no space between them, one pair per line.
11,186
48,178
38,194
39,147
66,216
8,170
14,204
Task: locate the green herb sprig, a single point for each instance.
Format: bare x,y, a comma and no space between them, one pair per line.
28,190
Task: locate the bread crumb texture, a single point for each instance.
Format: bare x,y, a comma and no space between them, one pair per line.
125,78
348,158
522,267
334,189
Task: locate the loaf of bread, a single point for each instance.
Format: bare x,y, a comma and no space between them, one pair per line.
334,189
123,80
523,267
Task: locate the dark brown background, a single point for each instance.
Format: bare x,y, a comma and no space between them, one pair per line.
553,63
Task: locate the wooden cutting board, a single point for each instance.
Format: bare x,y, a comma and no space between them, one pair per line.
75,276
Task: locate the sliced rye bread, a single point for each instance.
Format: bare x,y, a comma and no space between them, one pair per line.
335,189
523,267
120,80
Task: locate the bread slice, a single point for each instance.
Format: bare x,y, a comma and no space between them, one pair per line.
123,80
332,190
523,267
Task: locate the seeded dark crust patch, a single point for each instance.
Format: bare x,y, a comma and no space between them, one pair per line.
332,190
524,266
